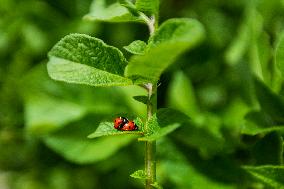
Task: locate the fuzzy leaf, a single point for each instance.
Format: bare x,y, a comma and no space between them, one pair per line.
148,6
136,47
107,129
271,175
161,132
174,37
162,123
84,49
130,6
115,12
71,72
82,59
140,174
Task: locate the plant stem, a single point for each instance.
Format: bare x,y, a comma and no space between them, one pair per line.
150,147
151,22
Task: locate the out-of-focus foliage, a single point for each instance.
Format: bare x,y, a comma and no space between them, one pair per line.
231,86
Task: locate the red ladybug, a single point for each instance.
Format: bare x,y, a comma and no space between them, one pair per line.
130,126
120,122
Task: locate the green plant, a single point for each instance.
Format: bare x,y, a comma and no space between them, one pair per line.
231,87
81,59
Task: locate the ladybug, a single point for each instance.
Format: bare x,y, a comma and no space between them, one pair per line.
130,126
119,122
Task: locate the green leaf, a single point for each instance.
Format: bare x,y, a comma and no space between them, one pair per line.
130,6
181,95
112,13
107,129
245,40
72,144
84,49
270,103
140,174
279,55
174,37
136,47
45,113
162,123
142,99
271,175
253,129
173,161
82,59
82,151
204,133
150,7
178,30
157,185
49,105
71,72
181,171
264,56
259,123
238,47
160,132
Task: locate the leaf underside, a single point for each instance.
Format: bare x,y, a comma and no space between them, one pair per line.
174,37
112,13
141,98
150,7
82,59
71,72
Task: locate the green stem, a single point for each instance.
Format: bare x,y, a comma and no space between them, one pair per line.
150,147
151,22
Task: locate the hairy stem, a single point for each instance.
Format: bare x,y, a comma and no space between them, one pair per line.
151,22
150,147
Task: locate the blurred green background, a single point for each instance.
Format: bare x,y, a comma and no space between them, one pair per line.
44,123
